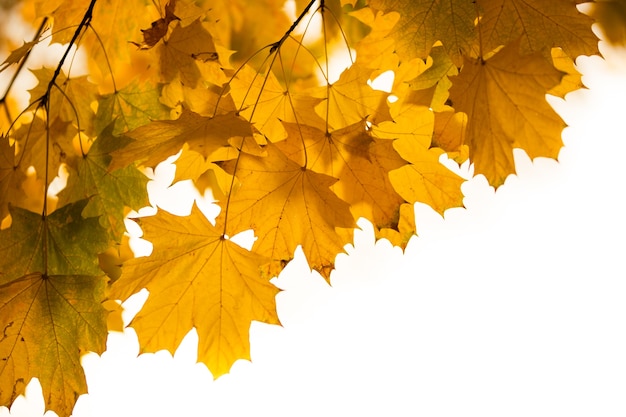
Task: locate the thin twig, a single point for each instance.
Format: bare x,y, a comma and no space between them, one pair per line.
21,66
278,44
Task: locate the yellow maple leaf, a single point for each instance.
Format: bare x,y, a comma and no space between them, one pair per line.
265,102
11,179
376,50
114,24
504,99
572,79
65,16
189,52
423,22
70,100
350,100
360,162
404,228
17,55
449,134
425,179
540,24
197,278
32,139
286,205
160,139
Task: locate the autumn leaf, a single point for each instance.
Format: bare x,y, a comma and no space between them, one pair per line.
51,290
360,162
376,50
32,139
69,101
435,77
286,205
65,14
154,142
504,99
186,53
404,228
422,22
571,80
350,100
159,27
540,24
197,278
114,25
449,134
425,179
206,100
11,178
109,192
135,105
265,102
190,165
266,18
291,154
17,55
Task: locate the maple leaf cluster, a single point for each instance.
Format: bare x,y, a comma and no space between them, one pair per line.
242,92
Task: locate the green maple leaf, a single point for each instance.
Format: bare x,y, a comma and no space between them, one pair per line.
109,191
51,290
133,106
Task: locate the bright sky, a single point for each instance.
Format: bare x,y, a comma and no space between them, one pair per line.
513,306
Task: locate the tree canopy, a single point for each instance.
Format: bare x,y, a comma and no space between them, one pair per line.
245,94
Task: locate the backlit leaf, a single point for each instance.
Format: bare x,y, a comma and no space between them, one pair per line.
287,205
197,278
298,123
540,24
504,99
16,56
154,142
51,290
186,52
11,178
360,162
133,106
422,22
109,192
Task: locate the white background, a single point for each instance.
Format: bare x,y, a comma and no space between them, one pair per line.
513,306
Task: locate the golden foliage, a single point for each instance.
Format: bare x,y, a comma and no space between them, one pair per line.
289,150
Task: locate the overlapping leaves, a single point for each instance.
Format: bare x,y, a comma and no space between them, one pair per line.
291,154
